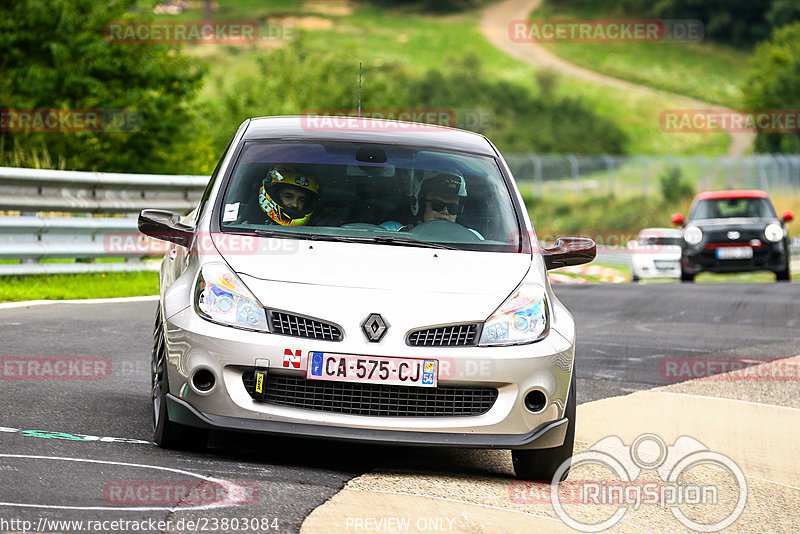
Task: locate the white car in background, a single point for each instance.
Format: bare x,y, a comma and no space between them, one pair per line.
656,253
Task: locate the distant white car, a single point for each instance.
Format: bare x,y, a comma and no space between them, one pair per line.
656,253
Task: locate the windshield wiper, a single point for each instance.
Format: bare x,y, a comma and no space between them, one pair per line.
382,239
302,235
391,240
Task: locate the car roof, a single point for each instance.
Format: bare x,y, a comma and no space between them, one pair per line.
367,130
754,193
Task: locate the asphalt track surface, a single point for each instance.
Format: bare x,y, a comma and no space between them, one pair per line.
624,333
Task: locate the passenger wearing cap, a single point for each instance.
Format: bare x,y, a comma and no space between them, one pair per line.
287,196
440,198
437,198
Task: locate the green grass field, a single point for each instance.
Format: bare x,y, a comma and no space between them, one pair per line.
77,286
704,70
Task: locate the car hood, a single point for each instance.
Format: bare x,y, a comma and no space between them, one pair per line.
409,286
395,267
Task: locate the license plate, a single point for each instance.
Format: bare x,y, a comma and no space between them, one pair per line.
663,265
383,370
734,253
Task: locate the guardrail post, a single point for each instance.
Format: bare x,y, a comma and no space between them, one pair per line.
609,161
537,173
574,170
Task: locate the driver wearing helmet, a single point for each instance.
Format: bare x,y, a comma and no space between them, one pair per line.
287,196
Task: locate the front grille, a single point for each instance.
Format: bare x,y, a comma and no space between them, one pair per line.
457,335
374,399
297,326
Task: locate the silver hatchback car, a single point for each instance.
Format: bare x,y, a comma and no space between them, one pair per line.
368,280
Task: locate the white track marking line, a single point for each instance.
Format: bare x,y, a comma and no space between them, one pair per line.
226,484
25,303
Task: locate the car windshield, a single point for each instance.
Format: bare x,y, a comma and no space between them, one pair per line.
388,194
724,208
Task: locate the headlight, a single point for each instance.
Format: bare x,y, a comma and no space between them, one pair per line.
523,318
220,297
692,235
773,232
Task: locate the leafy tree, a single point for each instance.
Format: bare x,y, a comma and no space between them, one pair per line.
53,54
735,22
774,83
673,187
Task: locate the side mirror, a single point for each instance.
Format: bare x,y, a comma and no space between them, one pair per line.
788,216
166,226
569,251
677,218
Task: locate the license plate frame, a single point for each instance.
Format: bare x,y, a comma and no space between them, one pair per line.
388,370
734,253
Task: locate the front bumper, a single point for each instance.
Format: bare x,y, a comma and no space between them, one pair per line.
703,258
193,344
545,436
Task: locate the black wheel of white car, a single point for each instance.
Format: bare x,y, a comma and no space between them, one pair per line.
168,434
542,464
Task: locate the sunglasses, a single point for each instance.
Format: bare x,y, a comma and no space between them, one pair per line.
437,205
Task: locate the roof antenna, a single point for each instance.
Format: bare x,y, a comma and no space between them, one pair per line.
359,89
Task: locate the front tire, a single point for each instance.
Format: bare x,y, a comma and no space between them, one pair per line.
542,464
168,434
686,277
784,275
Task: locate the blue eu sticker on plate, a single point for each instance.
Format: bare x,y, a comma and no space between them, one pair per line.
316,363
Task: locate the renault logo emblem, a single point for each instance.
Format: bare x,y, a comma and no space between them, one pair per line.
374,327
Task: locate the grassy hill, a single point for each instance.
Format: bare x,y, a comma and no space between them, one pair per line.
417,41
705,70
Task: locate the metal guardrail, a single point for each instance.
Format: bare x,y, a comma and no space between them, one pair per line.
96,201
569,174
35,190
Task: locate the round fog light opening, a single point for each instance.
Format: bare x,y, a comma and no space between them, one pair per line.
535,401
203,380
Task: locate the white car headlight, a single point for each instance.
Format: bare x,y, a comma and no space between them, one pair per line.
773,232
220,297
692,235
522,318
